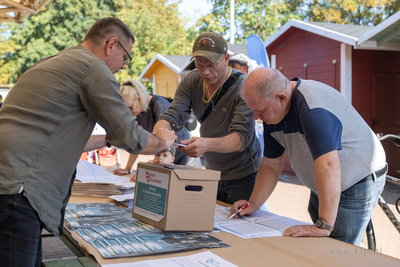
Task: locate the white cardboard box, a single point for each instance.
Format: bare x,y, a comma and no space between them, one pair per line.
175,197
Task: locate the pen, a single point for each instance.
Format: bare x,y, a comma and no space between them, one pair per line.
242,208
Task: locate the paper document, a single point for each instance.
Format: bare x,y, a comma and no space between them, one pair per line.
260,224
126,200
93,180
177,145
202,259
87,172
122,198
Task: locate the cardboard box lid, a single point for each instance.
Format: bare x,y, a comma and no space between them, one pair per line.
187,172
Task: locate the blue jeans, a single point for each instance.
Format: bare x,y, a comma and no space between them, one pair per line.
355,208
20,232
231,191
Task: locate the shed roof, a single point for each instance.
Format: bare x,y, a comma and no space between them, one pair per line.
338,32
384,36
346,29
173,62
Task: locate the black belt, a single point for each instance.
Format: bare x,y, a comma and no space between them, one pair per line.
378,173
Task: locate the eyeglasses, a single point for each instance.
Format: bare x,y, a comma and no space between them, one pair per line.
129,56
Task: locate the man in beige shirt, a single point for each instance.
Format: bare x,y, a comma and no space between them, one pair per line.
44,126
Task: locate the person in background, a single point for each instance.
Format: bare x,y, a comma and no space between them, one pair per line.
331,149
164,157
45,126
246,65
138,100
1,100
243,63
227,138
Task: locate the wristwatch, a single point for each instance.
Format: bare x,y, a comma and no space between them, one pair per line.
321,224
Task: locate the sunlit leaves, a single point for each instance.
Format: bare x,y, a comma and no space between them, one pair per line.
258,17
357,12
264,17
64,23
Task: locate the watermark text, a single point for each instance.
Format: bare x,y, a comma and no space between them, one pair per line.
354,251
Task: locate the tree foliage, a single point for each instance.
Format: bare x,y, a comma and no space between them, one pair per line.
61,24
264,17
64,23
357,12
260,17
157,29
7,48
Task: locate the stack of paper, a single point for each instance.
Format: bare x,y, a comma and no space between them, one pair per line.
126,200
93,180
154,244
88,215
113,232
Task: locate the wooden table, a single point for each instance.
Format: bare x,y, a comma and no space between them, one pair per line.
267,251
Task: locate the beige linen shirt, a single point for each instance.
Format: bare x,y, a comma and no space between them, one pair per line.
47,119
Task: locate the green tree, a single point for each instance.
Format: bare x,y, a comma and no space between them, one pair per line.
158,29
357,12
64,23
61,24
264,17
260,17
7,48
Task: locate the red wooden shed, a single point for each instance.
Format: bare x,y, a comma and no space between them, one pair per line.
361,62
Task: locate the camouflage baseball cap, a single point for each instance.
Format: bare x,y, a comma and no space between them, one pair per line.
210,45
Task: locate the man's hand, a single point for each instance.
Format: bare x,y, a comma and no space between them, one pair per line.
159,141
305,230
251,209
120,171
167,135
133,178
195,146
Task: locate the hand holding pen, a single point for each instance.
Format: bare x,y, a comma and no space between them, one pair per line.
242,208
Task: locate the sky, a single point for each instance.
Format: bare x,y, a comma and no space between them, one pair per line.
193,9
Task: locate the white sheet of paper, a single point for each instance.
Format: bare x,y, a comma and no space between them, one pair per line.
178,145
122,198
260,224
250,230
87,172
202,259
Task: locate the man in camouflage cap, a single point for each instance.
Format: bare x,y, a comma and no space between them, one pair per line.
227,139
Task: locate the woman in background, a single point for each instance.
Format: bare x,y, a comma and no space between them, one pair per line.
138,99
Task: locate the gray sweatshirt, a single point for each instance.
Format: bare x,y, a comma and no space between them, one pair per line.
230,115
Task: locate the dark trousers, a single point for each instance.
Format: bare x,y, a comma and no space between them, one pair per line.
20,232
233,190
